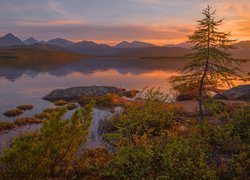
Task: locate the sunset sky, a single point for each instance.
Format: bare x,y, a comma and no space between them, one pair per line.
110,21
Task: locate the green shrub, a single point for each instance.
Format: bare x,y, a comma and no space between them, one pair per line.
241,123
132,160
50,151
185,158
146,158
152,118
71,106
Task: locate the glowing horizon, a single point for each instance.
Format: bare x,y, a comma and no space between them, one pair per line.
159,22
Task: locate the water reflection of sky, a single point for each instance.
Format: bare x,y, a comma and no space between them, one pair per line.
24,84
28,89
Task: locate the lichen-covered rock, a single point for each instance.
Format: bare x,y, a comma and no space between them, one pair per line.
75,93
241,92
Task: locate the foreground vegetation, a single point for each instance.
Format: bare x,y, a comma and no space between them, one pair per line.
150,140
50,150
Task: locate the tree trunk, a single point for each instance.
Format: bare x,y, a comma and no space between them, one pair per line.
201,115
201,85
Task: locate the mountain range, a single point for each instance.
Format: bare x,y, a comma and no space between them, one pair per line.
134,44
124,48
10,40
30,41
60,42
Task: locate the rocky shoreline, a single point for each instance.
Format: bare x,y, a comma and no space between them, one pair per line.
237,93
241,92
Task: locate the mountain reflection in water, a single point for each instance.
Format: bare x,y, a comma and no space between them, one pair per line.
23,83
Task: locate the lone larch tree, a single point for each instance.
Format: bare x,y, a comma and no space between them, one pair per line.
211,64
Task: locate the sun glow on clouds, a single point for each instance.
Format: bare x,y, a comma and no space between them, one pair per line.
48,22
156,21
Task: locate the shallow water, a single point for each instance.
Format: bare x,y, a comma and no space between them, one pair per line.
21,85
27,84
94,139
6,137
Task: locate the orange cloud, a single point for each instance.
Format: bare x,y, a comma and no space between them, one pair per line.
48,22
237,17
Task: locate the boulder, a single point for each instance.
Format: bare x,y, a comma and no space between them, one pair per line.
75,93
184,97
241,92
220,96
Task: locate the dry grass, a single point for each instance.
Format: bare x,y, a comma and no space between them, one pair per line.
106,101
43,115
60,102
51,110
6,126
25,107
28,120
13,112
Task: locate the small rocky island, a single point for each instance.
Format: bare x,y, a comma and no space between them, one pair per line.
75,93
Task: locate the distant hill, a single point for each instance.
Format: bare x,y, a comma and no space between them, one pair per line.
134,44
124,48
10,40
157,52
243,44
60,42
36,53
182,45
49,47
89,47
30,41
242,50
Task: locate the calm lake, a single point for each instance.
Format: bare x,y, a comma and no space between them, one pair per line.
27,85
